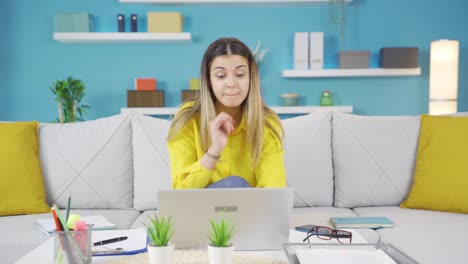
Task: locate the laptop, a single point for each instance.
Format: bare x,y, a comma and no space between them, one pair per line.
261,215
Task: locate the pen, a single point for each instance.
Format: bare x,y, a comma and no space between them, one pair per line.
108,241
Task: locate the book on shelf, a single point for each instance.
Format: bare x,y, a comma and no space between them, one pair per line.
361,222
99,222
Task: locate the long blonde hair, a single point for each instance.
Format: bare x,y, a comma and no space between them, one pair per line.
255,111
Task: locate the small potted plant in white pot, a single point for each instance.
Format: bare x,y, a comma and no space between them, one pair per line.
160,231
220,249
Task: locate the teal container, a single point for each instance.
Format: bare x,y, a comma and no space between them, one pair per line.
290,99
326,99
73,22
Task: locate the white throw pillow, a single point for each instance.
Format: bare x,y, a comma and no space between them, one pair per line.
151,160
90,160
373,158
307,158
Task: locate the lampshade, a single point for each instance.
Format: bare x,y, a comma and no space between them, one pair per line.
443,83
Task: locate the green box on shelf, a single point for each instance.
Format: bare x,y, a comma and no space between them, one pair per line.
73,22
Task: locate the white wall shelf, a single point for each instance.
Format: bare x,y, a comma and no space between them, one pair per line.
220,1
277,109
120,37
371,72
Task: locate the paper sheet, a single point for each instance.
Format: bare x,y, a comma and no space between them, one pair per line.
343,256
136,239
98,222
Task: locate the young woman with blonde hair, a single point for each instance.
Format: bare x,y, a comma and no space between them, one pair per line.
227,137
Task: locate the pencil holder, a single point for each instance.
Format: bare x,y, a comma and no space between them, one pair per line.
72,247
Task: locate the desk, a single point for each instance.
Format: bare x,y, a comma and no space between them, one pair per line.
44,252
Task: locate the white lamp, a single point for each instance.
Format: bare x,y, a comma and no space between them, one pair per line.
443,77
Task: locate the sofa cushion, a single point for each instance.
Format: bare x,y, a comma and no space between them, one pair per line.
92,160
441,175
373,158
21,183
307,158
151,160
427,236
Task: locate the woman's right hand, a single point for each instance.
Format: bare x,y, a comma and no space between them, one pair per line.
220,128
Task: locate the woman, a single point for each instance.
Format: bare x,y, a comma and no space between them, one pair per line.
228,130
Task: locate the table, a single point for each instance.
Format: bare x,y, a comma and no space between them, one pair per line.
44,252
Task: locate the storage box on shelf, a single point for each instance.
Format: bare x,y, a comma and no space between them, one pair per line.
145,98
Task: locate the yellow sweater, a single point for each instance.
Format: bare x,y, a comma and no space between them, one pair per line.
185,153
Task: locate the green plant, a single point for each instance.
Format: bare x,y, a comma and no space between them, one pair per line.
336,9
221,233
259,53
68,94
160,230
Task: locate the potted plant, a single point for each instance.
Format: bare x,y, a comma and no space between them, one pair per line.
68,94
160,231
220,249
337,15
259,53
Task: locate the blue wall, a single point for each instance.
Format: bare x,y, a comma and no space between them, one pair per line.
31,60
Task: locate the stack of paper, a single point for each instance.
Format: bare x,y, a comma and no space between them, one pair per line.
99,222
360,222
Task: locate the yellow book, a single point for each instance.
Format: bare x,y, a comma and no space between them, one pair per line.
165,22
194,84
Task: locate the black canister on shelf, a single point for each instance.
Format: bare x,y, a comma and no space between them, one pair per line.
120,23
134,22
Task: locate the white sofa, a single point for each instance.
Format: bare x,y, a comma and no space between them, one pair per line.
340,165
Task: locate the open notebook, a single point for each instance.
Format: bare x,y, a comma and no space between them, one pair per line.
99,222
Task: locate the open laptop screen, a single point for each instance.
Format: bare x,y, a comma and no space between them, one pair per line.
261,215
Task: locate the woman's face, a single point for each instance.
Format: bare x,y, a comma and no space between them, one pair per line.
230,80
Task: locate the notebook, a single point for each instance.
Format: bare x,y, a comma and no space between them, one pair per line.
261,215
360,222
99,222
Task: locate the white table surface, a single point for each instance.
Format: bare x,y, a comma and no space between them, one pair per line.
44,252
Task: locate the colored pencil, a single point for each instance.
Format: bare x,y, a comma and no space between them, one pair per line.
68,208
60,217
58,226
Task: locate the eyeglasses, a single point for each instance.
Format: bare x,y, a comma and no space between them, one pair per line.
327,233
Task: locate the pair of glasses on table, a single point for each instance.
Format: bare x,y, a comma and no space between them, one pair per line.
327,233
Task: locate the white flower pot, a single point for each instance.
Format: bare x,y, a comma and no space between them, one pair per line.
161,255
220,255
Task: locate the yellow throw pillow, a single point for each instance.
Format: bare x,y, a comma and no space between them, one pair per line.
441,175
21,182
